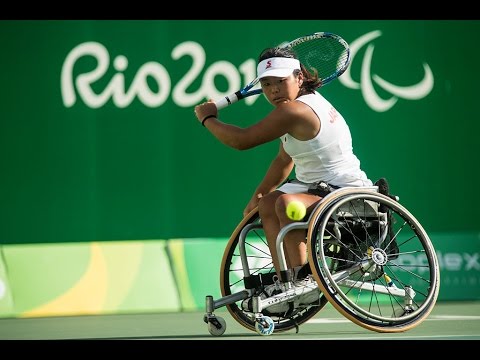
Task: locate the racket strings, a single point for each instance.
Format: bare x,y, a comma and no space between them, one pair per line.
326,55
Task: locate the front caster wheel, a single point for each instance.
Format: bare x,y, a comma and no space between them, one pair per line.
264,325
216,326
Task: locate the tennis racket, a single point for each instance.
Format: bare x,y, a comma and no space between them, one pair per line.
328,53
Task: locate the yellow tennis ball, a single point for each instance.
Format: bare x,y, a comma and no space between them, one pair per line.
296,210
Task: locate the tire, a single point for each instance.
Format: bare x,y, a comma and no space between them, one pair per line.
378,269
259,261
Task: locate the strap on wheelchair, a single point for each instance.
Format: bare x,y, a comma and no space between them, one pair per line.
254,281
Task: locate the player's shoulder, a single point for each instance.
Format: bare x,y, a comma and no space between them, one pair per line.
293,108
313,96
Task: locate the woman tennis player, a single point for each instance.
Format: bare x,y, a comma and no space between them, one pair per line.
315,141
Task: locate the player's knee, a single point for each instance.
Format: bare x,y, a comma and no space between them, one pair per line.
281,207
266,207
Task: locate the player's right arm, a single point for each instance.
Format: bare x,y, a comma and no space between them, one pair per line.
281,120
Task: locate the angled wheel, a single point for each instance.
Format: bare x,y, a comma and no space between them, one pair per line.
373,260
259,261
217,326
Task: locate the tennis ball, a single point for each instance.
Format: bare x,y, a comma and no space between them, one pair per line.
296,210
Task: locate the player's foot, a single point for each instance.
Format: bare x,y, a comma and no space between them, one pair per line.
270,290
308,290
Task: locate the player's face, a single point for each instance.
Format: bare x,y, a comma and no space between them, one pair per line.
280,89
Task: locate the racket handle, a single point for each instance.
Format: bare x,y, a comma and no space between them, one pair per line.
226,101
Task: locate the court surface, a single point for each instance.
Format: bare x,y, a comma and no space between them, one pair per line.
447,321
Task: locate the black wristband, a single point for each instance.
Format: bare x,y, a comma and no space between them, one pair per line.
207,117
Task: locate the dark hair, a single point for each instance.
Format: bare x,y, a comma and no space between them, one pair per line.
311,80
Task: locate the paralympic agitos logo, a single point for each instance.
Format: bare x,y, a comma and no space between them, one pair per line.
373,100
79,87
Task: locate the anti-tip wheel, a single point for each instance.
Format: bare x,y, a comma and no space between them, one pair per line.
217,326
264,325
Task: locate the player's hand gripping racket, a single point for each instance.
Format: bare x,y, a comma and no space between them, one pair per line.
328,53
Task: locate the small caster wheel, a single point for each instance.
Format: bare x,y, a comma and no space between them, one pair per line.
264,325
216,326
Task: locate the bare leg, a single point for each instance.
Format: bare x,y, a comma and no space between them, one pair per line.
271,224
272,210
295,244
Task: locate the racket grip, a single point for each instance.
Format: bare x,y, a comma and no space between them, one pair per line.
226,101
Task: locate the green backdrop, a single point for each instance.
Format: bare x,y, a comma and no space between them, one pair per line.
98,140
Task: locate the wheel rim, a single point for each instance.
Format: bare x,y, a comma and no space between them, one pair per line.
260,260
368,261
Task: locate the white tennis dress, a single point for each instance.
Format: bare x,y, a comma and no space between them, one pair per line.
328,156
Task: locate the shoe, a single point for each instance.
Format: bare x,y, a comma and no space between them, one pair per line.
301,287
280,309
273,289
247,303
268,291
275,309
301,272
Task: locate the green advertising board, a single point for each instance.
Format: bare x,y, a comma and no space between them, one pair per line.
98,139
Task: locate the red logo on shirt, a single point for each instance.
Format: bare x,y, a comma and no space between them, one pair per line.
333,114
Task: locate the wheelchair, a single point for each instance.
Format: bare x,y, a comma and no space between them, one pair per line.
367,254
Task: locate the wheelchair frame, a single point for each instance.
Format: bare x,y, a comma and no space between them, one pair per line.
351,246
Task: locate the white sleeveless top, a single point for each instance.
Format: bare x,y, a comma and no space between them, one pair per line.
329,155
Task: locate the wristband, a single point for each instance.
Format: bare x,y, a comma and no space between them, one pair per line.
207,117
